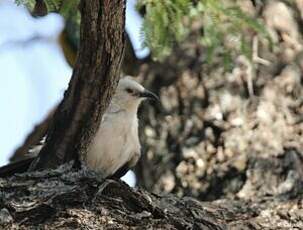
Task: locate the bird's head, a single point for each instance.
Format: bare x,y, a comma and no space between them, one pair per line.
130,94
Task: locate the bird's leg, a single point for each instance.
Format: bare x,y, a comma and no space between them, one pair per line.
105,183
101,188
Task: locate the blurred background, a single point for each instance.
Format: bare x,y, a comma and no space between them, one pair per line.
228,73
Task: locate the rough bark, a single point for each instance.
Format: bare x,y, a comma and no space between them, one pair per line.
94,80
67,199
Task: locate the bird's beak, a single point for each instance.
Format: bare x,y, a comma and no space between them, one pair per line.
149,95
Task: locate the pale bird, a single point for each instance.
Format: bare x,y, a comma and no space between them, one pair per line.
116,147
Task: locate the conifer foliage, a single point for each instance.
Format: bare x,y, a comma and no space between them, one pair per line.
223,29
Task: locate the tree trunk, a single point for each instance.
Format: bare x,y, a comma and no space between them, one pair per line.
94,80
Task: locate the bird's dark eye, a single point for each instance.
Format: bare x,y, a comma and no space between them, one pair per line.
129,90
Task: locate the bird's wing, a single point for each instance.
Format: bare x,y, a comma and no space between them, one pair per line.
126,167
120,172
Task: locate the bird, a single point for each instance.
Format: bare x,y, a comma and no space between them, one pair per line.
115,148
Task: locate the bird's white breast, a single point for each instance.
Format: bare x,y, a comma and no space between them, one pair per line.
114,144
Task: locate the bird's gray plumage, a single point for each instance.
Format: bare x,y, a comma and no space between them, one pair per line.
116,143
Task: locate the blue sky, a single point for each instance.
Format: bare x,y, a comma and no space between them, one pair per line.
33,71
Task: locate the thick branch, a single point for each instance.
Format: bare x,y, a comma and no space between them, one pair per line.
65,199
94,80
